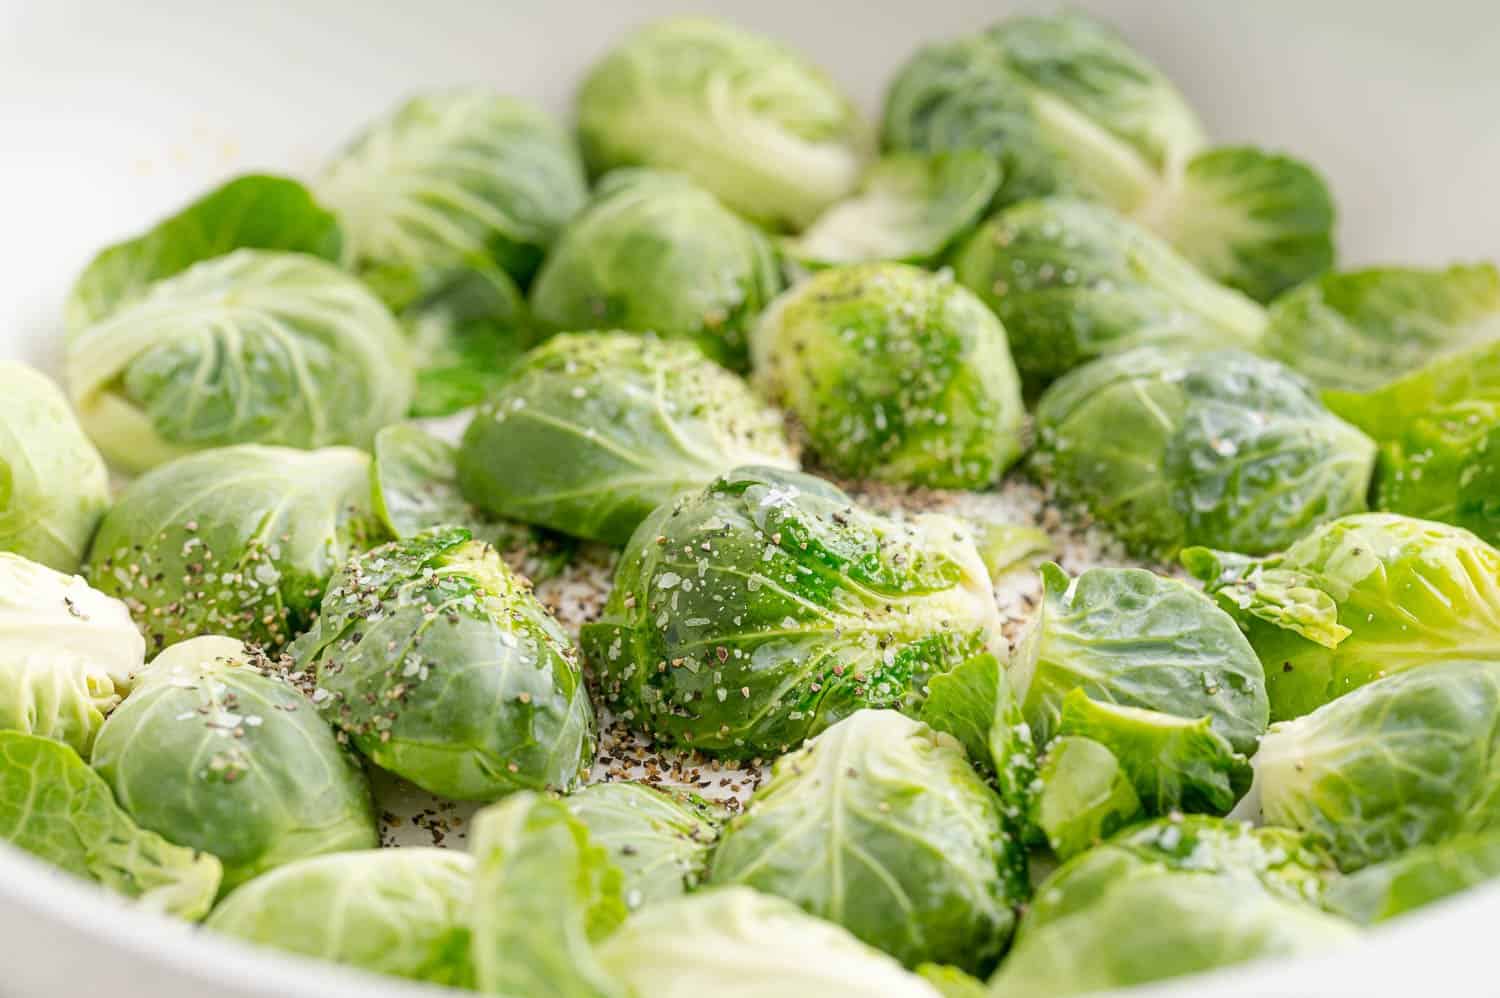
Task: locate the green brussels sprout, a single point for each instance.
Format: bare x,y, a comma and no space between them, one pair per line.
54,806
414,485
1357,599
719,942
448,178
909,208
1064,102
1172,448
1085,795
1073,281
53,483
1257,221
238,541
402,912
758,612
213,751
1066,106
440,666
68,656
545,895
1151,670
653,253
1166,899
1358,331
880,825
893,373
256,211
660,843
1416,878
253,347
1280,861
593,431
750,119
1404,761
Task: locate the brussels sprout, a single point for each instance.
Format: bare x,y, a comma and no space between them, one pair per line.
879,825
654,253
1416,878
256,211
402,912
1073,281
1154,672
448,178
1280,861
660,843
1167,899
1170,448
1085,795
441,667
894,373
1359,330
750,119
544,895
213,751
53,805
253,347
1063,101
414,484
68,655
53,483
758,612
721,942
1407,760
1359,598
1258,222
909,208
237,541
593,431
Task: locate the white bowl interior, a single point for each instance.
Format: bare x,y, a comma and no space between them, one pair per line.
114,113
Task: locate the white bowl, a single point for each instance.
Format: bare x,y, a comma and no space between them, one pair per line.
113,113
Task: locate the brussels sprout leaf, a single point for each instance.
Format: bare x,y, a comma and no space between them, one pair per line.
52,804
1085,795
660,843
1416,878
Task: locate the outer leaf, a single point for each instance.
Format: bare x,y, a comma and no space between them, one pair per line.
1417,877
53,483
951,982
1359,330
908,208
68,653
893,373
1085,795
1408,760
660,843
1174,763
402,912
1257,221
211,751
544,895
591,432
749,118
238,541
733,942
256,211
253,347
53,805
462,684
1362,597
1135,639
879,825
1072,281
758,612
